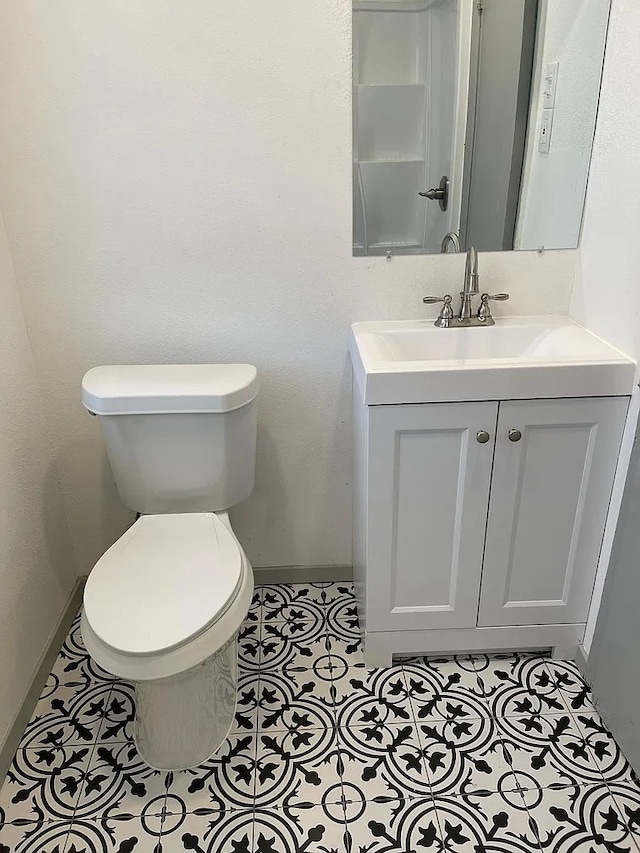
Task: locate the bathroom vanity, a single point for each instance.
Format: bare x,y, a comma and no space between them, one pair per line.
484,463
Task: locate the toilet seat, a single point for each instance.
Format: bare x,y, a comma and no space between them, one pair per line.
165,582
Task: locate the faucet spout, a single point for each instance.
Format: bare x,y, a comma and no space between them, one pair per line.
470,287
471,284
471,276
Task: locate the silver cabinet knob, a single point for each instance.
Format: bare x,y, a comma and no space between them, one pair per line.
482,436
515,435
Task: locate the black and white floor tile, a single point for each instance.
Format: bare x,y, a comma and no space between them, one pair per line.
476,754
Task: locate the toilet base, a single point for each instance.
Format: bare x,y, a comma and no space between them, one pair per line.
183,720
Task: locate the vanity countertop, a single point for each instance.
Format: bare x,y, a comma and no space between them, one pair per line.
412,361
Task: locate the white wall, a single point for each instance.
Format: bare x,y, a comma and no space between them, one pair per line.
177,187
37,570
573,33
606,296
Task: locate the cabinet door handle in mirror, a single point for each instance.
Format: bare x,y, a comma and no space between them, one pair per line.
515,435
482,436
439,193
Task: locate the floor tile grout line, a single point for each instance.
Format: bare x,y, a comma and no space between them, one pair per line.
626,823
497,793
255,770
414,711
344,815
533,823
499,741
253,827
259,686
574,714
337,730
63,847
580,783
581,788
417,723
546,787
431,797
531,820
565,696
427,770
88,765
592,753
634,840
91,746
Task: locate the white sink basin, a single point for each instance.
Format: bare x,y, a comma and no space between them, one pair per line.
518,358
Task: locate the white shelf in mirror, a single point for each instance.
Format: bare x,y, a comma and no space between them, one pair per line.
389,121
391,160
396,85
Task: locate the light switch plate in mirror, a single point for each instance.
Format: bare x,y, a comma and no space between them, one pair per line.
500,96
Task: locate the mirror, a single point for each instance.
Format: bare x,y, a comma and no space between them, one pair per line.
473,122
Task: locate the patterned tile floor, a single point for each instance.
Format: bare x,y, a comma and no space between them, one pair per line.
475,754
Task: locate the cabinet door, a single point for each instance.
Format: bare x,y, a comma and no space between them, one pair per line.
428,491
549,499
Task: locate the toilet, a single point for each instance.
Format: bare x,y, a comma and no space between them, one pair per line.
163,606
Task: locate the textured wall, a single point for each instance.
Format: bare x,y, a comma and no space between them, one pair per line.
574,35
36,564
606,296
612,666
177,187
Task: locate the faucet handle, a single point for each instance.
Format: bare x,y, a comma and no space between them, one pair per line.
446,312
484,311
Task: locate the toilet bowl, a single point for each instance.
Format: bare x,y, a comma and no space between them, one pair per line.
163,606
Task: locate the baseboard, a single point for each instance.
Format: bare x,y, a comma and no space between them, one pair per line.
39,678
581,660
302,574
380,646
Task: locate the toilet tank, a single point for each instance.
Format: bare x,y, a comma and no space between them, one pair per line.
179,437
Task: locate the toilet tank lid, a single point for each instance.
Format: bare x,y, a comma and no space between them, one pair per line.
139,389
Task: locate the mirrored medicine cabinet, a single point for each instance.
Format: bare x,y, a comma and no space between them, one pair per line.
473,122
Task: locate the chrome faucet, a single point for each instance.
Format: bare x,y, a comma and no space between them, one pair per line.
470,288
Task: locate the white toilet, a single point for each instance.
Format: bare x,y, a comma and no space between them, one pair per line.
163,606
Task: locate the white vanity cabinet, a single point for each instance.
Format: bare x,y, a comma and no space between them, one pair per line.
478,525
547,509
428,489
